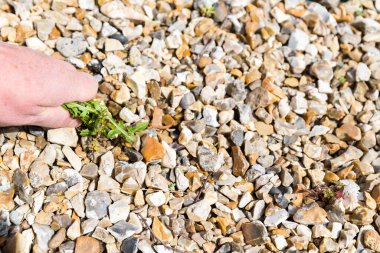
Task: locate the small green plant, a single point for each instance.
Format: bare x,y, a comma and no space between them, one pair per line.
98,120
342,79
171,186
359,12
207,11
326,193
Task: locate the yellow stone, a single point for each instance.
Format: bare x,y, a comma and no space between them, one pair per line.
161,231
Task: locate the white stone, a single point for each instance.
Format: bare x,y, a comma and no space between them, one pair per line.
73,158
73,231
77,202
63,136
276,218
107,163
245,199
156,199
318,130
363,73
114,64
119,210
43,235
136,82
280,242
210,115
128,116
86,4
132,32
199,211
113,45
324,87
49,154
208,95
170,157
298,40
35,44
182,182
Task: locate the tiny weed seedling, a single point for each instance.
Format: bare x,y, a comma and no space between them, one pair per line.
207,11
97,120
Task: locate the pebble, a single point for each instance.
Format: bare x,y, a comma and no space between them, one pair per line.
71,47
119,210
156,199
97,203
255,233
86,244
130,245
63,136
298,40
310,214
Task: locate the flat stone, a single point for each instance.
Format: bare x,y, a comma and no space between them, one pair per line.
240,162
73,158
107,163
97,203
161,231
71,47
63,136
122,230
43,234
130,245
57,239
119,210
152,150
310,214
156,199
86,244
371,240
298,40
255,233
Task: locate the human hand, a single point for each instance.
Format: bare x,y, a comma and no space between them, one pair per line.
33,87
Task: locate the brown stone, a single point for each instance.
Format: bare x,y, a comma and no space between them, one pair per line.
348,132
240,162
152,149
86,244
371,240
23,32
263,129
255,233
204,26
57,239
375,193
310,214
6,200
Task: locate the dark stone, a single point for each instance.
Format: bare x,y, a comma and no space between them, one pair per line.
120,37
134,156
129,245
57,188
36,131
95,66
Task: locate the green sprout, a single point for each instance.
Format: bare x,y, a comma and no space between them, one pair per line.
342,79
171,186
359,12
98,120
207,11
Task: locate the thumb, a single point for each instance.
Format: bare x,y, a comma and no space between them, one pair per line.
56,117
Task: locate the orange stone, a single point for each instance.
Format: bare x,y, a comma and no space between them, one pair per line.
86,244
152,149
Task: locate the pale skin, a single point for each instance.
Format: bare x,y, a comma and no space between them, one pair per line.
33,87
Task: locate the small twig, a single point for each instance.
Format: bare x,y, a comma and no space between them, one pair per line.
202,188
155,237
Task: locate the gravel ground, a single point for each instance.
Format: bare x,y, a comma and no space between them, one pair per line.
264,130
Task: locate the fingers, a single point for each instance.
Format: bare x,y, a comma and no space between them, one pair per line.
55,117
